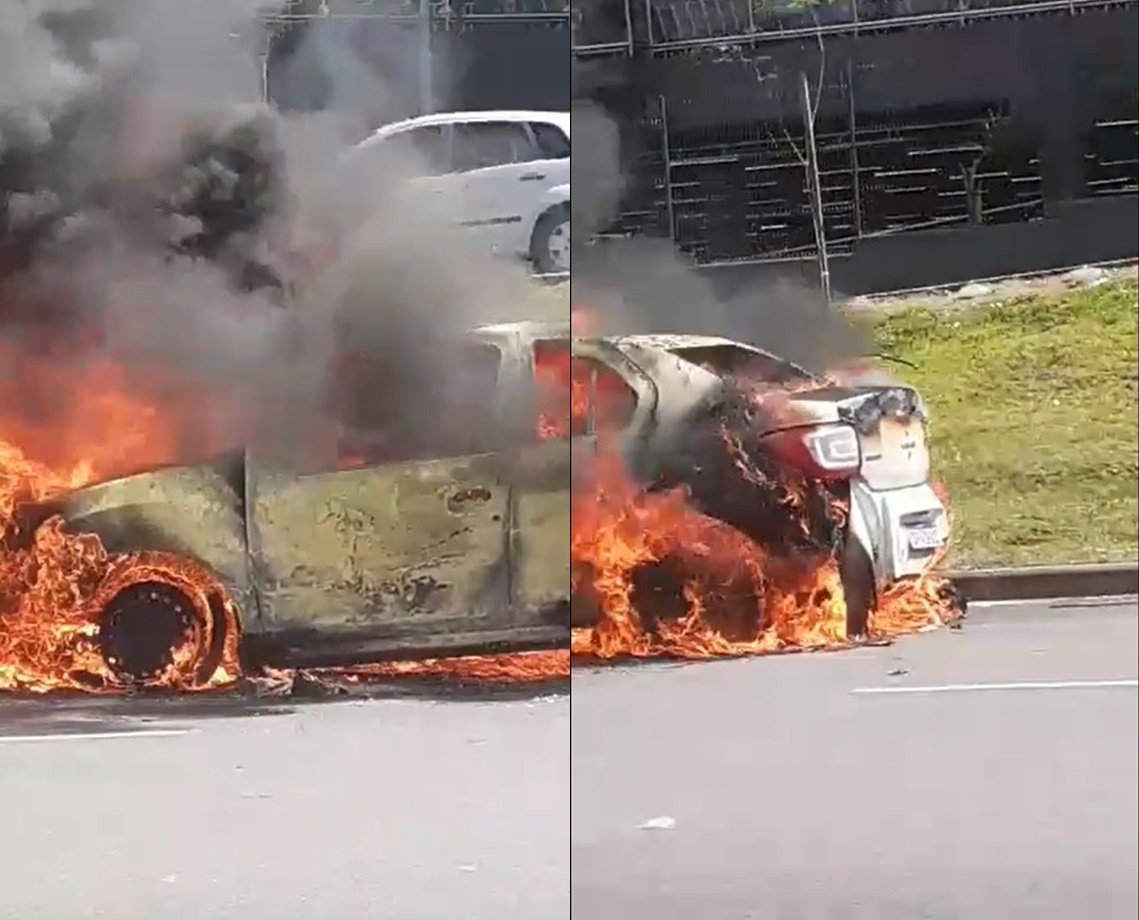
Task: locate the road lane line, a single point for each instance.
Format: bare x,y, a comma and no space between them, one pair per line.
94,736
1028,685
1054,603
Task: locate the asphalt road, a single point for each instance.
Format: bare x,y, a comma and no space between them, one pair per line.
790,792
787,791
401,809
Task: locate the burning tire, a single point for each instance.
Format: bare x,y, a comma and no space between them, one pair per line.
730,603
733,608
165,621
859,587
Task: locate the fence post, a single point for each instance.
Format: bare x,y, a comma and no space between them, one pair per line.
649,24
855,183
423,49
666,153
814,189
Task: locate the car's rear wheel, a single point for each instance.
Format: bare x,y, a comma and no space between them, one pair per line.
733,607
859,587
550,242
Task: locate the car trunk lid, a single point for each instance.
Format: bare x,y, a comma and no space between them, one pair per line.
890,422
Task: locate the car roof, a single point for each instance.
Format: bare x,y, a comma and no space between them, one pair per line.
670,342
526,329
561,119
545,329
530,330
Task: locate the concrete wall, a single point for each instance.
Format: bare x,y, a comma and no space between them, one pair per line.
1085,232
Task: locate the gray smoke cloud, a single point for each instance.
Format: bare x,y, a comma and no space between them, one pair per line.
643,284
597,175
151,203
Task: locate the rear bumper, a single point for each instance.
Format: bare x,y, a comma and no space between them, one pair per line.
893,527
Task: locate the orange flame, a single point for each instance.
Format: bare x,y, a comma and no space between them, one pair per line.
656,577
573,394
68,419
734,599
518,668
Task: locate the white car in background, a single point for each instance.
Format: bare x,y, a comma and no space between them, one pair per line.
504,176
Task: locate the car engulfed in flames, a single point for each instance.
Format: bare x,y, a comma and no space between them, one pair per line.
609,497
729,502
402,552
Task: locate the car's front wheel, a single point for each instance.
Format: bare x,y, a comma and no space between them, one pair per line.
550,242
164,621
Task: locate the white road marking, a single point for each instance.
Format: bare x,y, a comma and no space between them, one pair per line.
95,736
1112,600
1027,685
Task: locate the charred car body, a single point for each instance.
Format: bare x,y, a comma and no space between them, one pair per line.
413,546
735,424
461,543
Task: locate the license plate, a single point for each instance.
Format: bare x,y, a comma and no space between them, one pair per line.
900,439
924,537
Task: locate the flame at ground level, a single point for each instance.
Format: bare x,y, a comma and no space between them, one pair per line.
734,598
515,668
660,578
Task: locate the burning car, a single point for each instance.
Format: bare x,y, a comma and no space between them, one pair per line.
635,494
432,539
741,503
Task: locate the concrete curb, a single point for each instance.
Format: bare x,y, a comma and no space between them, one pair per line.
1039,582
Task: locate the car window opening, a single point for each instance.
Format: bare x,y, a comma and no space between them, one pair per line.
482,144
552,142
445,407
417,153
578,396
736,362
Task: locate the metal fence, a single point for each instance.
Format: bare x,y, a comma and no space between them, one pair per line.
415,41
911,134
741,192
663,26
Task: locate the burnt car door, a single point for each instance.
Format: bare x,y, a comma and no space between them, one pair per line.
407,553
558,402
611,405
540,473
614,402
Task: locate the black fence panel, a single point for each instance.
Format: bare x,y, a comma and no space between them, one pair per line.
508,64
982,123
484,55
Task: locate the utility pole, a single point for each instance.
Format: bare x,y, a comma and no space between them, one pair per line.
815,191
423,36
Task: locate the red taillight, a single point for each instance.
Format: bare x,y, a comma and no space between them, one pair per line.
820,451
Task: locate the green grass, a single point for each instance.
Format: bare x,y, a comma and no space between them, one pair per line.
1033,422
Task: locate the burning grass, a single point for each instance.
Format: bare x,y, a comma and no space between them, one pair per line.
1034,421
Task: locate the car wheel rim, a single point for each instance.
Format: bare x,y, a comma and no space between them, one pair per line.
558,247
166,621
